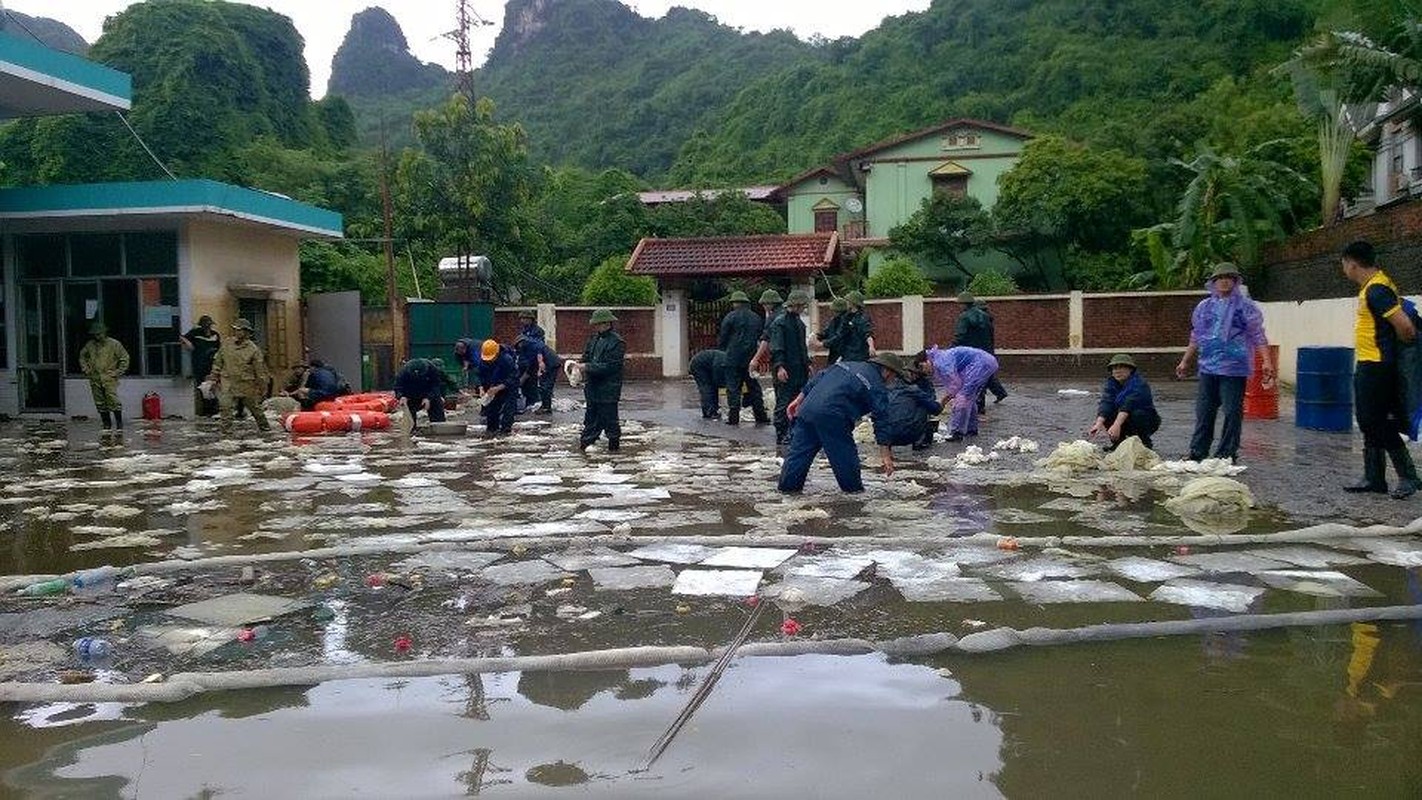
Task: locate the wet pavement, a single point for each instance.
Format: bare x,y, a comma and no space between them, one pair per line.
518,545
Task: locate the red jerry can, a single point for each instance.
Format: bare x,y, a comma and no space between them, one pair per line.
152,406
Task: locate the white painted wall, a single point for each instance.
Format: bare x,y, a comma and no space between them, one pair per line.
1313,323
177,394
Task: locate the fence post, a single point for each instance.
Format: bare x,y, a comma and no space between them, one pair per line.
671,333
1076,324
548,321
911,321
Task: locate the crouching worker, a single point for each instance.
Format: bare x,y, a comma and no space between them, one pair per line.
824,414
315,383
498,386
1127,408
708,369
421,384
921,375
904,420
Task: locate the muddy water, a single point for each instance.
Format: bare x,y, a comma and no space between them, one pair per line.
1267,715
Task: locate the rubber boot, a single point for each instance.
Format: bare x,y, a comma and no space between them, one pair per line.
1374,469
928,433
614,445
1407,483
118,418
733,416
106,419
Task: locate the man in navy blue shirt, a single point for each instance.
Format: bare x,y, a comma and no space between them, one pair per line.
498,383
824,414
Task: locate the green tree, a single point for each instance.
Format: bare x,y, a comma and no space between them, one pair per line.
943,229
1232,205
610,285
897,277
992,283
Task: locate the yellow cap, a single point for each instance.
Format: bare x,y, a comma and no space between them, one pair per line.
489,350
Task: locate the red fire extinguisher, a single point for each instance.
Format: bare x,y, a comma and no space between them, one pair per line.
152,406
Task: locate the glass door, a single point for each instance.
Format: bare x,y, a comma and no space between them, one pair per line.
41,348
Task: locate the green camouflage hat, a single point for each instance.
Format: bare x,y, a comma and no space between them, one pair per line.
797,298
770,297
1224,269
855,298
739,296
967,299
242,325
602,315
891,361
97,327
528,313
1121,360
839,304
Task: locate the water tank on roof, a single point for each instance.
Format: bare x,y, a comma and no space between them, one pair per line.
478,269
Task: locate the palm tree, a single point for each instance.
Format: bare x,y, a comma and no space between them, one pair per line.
1368,66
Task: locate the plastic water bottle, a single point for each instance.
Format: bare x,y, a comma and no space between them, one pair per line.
92,648
91,578
56,586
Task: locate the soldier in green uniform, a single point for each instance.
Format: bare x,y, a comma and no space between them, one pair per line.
601,366
739,337
833,331
856,339
240,371
103,360
789,359
769,301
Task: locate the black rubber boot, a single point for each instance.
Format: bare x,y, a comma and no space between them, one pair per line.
118,418
733,416
613,445
106,419
928,433
1374,472
1407,483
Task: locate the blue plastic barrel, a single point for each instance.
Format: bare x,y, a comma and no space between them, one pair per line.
1324,389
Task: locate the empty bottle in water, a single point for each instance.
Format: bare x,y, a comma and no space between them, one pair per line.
91,578
93,648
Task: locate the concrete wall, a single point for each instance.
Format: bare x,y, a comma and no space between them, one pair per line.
1315,323
213,256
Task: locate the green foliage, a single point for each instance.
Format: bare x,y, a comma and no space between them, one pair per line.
610,285
991,283
897,277
942,230
1073,194
1101,272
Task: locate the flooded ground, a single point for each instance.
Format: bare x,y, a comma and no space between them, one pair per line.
468,548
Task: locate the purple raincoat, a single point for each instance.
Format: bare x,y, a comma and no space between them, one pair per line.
1227,331
963,372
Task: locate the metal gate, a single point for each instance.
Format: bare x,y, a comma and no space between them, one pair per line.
434,327
704,321
333,332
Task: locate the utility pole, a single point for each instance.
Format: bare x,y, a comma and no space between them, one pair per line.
464,19
398,334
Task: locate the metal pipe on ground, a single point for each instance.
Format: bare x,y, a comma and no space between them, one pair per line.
185,685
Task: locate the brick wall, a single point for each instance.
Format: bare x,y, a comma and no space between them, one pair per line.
1306,266
637,326
1031,324
507,324
888,324
1126,322
939,319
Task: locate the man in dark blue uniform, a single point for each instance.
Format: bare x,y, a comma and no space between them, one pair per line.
856,333
466,355
825,414
739,337
601,366
904,420
707,369
498,385
421,382
529,327
789,359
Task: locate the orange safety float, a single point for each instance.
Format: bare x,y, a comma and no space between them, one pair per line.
317,422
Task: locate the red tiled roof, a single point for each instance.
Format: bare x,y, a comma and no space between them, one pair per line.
783,254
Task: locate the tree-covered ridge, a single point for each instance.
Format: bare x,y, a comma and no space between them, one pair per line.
374,60
49,32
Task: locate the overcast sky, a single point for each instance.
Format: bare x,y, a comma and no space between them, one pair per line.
323,23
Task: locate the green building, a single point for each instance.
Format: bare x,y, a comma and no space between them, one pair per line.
863,194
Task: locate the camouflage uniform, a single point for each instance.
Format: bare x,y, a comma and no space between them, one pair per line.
241,369
103,360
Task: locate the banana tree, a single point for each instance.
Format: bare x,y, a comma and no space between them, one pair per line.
1232,206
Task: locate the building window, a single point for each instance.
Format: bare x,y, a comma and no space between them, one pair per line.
826,220
962,140
127,280
951,185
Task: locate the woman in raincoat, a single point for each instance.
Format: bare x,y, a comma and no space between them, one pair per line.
962,373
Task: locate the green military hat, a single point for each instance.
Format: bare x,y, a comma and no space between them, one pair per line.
1224,269
797,298
242,325
739,296
770,297
839,304
891,361
602,315
1121,360
97,327
855,298
967,299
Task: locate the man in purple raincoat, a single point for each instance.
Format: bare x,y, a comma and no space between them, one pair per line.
1226,333
962,373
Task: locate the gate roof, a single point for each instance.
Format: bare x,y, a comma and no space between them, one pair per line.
780,254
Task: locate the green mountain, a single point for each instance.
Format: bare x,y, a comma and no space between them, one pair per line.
50,32
685,100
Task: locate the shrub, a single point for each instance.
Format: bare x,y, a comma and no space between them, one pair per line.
991,283
898,277
610,285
